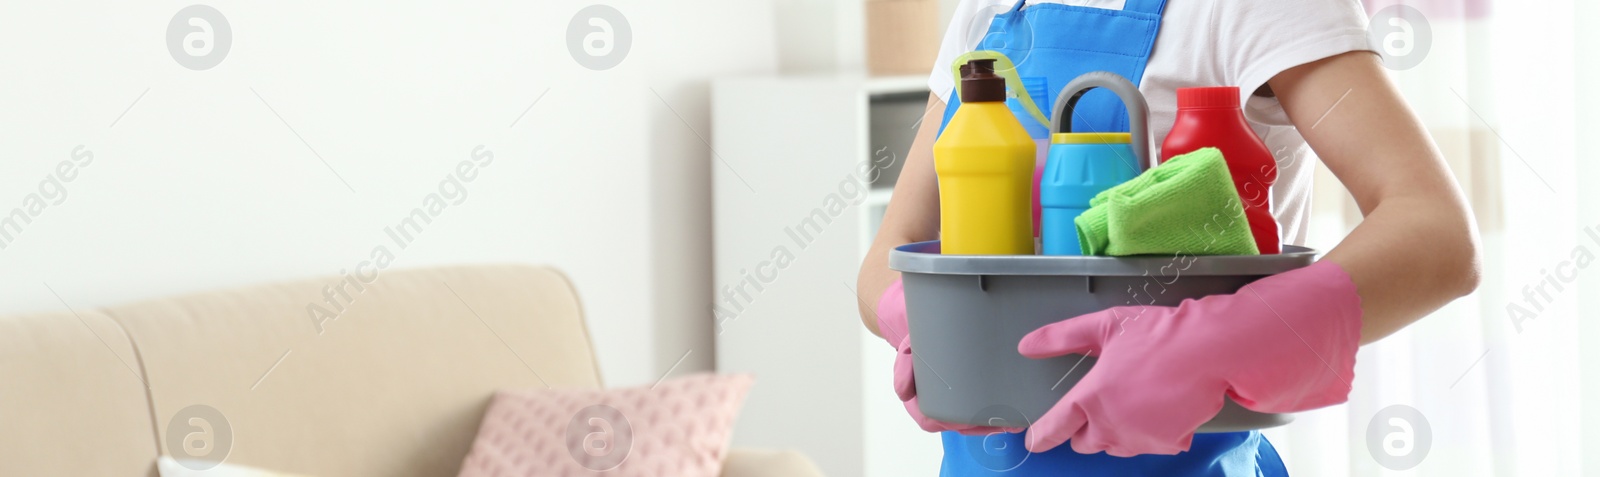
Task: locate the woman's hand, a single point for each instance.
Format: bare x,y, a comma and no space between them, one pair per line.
891,321
1286,343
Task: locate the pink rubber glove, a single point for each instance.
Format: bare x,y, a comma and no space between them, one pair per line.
1286,343
892,325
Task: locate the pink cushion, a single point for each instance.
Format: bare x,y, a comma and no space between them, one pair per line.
679,427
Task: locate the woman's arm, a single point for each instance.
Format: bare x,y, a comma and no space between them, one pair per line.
913,215
1417,248
1415,251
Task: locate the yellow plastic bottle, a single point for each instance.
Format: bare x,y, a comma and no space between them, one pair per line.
985,160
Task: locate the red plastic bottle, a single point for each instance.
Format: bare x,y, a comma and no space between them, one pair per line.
1211,117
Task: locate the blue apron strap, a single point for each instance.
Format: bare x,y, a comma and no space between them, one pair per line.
1145,6
955,93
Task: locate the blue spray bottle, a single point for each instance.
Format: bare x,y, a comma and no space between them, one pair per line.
1081,165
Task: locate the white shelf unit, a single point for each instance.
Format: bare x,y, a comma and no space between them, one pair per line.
789,235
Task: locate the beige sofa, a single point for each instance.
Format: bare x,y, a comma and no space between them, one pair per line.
394,386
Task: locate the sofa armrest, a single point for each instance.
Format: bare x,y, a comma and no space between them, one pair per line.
768,463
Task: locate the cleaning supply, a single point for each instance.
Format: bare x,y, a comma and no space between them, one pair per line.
984,160
1035,87
1211,117
1284,343
1187,205
1020,95
1082,165
1061,42
1018,92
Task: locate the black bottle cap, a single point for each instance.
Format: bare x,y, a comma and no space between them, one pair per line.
980,84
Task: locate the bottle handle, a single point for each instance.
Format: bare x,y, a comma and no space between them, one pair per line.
1132,99
1004,68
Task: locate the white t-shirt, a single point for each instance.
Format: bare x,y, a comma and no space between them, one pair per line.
1214,43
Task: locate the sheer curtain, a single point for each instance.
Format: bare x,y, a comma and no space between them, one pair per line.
1494,378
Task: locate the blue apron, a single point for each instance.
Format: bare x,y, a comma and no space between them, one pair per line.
1054,43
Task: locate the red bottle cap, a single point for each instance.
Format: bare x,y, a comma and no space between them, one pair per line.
1208,98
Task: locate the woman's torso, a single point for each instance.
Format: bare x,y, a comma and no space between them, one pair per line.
1200,44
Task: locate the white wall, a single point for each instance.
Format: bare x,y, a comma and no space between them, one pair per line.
828,35
200,185
1587,72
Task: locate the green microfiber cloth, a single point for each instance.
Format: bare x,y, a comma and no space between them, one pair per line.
1186,205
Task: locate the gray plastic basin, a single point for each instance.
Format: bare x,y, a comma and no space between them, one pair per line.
967,313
